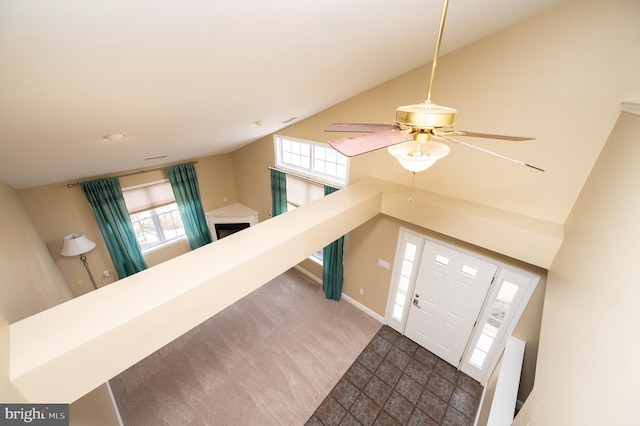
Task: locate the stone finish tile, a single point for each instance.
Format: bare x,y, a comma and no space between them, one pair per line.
365,410
433,406
463,402
370,360
345,393
418,418
454,418
385,419
446,370
398,357
349,420
441,387
380,345
389,334
377,390
313,421
398,407
389,373
407,345
409,388
418,372
470,386
425,357
330,412
396,382
358,375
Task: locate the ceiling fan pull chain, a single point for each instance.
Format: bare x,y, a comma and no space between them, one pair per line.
413,178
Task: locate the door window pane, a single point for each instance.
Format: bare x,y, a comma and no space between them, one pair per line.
408,264
498,312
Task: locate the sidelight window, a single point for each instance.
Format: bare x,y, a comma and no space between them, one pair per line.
408,253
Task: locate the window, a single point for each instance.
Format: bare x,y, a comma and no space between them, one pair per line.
505,303
408,254
154,215
157,227
312,159
497,313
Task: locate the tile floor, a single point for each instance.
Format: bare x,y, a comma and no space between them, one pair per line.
394,381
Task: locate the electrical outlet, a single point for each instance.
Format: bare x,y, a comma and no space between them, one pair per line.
384,264
106,274
224,199
361,292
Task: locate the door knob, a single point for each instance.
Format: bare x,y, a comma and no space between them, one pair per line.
415,302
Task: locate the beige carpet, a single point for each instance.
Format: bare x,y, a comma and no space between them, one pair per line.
269,359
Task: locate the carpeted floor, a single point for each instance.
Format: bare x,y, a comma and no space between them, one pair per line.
396,382
269,359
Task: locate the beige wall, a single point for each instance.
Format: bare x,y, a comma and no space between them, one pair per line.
251,167
31,283
588,357
56,211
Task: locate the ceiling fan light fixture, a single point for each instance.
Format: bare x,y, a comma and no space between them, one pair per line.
418,157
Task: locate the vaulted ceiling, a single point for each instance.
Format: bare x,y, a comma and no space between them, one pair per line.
191,78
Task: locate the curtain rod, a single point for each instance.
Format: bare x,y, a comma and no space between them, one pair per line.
71,185
308,179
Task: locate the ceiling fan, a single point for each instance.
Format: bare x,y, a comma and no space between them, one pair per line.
410,139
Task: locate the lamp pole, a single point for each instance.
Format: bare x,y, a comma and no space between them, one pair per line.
86,265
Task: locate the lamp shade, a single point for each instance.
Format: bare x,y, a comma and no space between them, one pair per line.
418,157
76,244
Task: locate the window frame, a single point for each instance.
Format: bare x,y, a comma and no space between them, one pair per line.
164,242
148,198
311,171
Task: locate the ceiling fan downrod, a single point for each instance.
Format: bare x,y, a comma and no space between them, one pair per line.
436,52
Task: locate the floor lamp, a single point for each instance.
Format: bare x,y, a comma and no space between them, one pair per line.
79,245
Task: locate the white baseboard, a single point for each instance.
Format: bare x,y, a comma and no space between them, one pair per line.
354,302
364,309
308,274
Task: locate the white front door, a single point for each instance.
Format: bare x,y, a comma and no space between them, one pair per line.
449,292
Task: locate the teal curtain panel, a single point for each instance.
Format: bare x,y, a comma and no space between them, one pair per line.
184,183
278,192
107,202
332,264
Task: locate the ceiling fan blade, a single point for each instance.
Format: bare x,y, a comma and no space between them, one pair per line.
482,135
356,145
504,157
359,127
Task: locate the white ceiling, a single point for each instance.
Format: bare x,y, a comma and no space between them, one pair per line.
189,78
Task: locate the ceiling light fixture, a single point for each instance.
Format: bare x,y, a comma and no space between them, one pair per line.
417,157
114,137
259,123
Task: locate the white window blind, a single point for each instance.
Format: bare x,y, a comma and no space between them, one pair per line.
148,196
301,192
